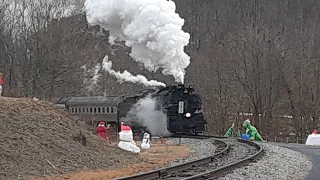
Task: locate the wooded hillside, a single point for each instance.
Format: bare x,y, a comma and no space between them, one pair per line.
253,56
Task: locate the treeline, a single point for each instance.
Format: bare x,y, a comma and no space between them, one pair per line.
255,56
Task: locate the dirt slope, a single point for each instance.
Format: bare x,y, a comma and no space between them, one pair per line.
39,139
158,156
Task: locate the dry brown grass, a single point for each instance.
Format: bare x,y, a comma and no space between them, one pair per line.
38,139
158,156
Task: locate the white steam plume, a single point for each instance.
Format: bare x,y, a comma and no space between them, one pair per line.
150,27
127,76
144,112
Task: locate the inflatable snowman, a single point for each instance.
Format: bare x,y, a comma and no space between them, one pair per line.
102,130
126,139
145,141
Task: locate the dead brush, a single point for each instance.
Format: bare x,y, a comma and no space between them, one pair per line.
39,139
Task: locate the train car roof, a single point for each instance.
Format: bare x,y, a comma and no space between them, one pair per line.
94,100
62,100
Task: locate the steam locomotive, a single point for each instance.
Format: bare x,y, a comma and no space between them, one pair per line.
182,106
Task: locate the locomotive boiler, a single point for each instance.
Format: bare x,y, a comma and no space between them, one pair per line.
183,108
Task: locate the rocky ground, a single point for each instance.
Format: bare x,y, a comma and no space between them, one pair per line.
278,163
38,139
199,149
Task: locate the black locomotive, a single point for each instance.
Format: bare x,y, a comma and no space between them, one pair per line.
182,106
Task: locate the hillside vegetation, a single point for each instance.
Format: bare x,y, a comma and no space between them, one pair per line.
38,139
255,56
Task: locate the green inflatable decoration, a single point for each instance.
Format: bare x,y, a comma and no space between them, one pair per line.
230,132
239,134
254,135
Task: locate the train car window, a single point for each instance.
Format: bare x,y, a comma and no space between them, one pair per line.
108,111
80,110
83,110
95,110
103,110
91,110
115,110
99,110
76,110
112,110
72,110
87,110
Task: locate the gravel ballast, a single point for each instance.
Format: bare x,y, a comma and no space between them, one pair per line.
237,152
200,148
277,163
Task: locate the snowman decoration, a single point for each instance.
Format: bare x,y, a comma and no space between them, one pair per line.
145,141
126,140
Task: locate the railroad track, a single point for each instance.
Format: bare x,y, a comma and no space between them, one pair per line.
209,167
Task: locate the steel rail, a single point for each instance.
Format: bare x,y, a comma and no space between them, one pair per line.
163,172
200,136
229,167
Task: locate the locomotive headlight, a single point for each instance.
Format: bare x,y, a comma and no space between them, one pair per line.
188,115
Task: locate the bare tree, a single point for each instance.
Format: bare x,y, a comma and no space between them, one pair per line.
256,57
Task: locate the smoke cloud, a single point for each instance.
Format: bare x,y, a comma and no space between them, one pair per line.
127,76
151,28
145,113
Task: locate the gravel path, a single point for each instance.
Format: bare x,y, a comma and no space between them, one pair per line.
200,148
278,163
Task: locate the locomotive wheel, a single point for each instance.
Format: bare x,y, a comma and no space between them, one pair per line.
192,132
